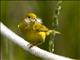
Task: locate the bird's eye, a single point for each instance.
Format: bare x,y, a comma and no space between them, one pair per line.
29,17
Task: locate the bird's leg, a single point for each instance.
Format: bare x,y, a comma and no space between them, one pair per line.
31,45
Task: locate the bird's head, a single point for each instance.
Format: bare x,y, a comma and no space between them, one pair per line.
31,17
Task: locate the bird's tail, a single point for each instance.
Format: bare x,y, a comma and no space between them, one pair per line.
57,32
52,32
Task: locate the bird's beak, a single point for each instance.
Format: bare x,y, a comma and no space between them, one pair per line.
35,19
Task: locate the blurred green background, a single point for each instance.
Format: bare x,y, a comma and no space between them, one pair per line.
67,44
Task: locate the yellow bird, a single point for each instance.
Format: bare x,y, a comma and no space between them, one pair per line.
34,30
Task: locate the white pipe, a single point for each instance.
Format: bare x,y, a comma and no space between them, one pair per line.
24,44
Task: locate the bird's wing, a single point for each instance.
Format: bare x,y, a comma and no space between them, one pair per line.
40,27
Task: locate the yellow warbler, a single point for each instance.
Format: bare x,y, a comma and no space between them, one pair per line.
33,29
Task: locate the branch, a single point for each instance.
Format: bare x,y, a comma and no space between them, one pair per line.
25,45
55,24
